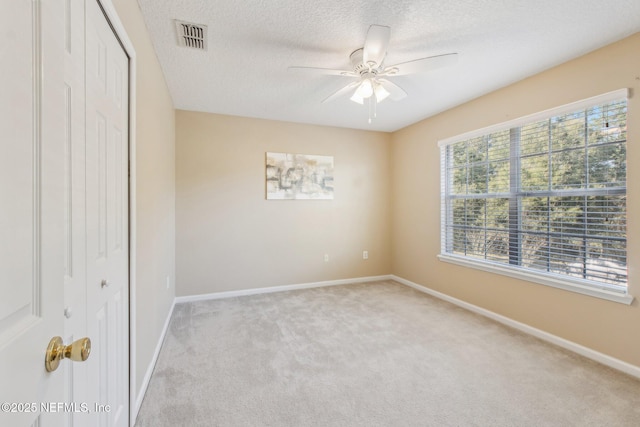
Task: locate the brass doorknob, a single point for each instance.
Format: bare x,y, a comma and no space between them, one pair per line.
77,351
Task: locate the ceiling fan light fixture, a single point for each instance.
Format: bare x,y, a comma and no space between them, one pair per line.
365,90
357,98
381,92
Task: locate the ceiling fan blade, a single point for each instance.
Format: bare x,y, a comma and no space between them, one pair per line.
395,92
342,91
375,46
325,71
422,65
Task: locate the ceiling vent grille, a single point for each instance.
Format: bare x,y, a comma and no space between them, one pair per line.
191,35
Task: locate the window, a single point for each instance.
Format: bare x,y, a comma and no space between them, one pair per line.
543,198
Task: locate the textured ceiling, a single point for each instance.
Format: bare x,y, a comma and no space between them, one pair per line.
252,42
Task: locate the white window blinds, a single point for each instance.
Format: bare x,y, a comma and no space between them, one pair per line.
545,194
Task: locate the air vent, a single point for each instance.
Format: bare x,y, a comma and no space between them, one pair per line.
191,35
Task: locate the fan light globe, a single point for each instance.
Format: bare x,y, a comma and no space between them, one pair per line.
357,98
381,92
365,90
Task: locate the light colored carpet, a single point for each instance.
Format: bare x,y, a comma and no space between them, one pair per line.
375,354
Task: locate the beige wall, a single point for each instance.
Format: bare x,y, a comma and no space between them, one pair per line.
608,327
154,191
228,237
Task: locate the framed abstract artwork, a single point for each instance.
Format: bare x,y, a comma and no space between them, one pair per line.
299,177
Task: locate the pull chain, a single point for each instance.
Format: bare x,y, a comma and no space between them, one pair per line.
375,106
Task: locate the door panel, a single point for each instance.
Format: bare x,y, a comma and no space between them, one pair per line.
17,185
107,214
31,215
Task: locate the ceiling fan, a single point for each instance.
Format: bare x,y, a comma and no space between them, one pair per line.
372,74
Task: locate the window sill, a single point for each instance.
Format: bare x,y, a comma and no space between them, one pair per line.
560,283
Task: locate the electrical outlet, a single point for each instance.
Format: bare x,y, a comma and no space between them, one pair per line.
365,254
326,257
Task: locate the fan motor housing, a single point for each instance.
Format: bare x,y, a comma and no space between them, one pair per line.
360,67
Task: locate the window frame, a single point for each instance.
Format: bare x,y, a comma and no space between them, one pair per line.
565,282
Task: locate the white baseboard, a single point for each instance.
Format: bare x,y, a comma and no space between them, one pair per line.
255,291
602,358
152,364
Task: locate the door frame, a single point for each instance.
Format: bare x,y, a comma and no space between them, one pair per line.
116,24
